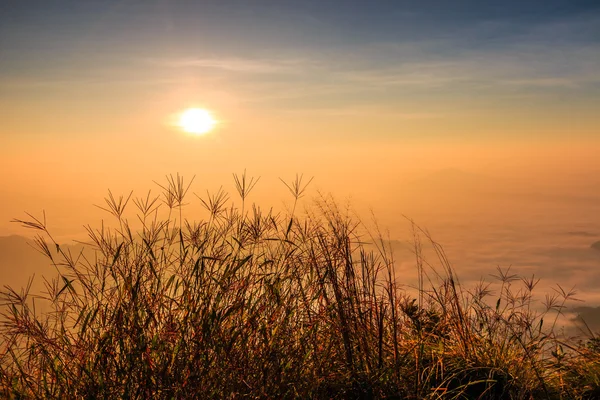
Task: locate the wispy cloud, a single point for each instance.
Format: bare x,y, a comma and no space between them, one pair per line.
527,66
235,64
417,74
21,83
351,110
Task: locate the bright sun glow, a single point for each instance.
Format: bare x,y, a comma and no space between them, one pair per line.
197,121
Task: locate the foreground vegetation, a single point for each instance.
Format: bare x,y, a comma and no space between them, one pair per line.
250,303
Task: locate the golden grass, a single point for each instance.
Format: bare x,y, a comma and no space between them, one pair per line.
254,304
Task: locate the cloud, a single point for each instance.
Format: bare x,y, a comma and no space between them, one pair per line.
497,55
58,83
425,75
499,59
235,64
519,67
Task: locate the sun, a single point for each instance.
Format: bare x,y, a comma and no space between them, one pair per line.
197,121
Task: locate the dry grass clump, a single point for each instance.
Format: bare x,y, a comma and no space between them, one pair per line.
254,304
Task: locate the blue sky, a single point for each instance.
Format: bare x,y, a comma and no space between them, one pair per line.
413,59
38,36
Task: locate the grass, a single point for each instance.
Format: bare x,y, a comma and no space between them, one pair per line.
250,303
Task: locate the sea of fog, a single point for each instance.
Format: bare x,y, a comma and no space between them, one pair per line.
548,234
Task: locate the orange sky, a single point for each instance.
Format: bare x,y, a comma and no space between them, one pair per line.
366,99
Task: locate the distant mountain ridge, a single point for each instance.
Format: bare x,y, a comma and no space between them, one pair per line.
20,260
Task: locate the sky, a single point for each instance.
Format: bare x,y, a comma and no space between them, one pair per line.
366,96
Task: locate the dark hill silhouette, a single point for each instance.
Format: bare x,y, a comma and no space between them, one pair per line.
587,319
582,234
20,260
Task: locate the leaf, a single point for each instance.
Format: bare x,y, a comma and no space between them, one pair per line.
117,254
67,285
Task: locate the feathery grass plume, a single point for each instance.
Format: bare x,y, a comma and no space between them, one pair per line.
256,304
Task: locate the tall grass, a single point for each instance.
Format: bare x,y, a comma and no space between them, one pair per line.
249,303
